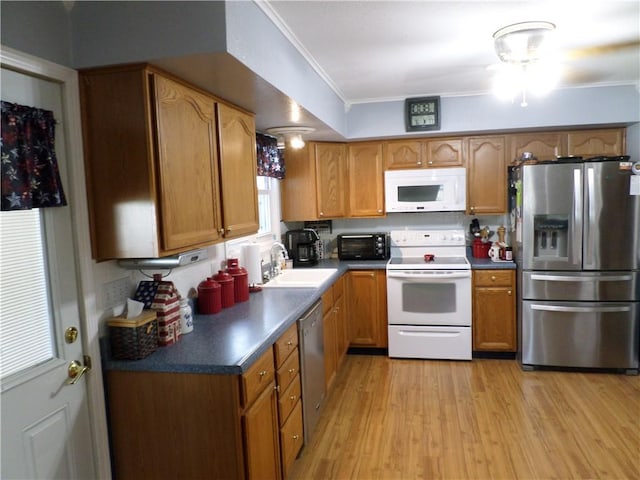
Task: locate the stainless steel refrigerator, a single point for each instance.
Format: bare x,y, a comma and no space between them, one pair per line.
579,266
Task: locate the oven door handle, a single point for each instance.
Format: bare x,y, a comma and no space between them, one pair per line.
425,276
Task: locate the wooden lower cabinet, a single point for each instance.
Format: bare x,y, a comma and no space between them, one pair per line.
289,389
334,330
261,439
194,426
366,295
494,310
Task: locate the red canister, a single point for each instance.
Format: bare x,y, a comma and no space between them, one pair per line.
226,282
240,280
209,297
480,249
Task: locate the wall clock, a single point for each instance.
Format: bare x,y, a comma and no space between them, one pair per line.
422,114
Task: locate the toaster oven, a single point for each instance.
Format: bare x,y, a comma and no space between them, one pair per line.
363,246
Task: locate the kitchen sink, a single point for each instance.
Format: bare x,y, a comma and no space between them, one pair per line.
301,278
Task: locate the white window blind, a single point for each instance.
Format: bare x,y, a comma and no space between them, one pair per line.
264,204
25,319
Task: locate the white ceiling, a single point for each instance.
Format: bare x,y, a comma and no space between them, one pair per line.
390,50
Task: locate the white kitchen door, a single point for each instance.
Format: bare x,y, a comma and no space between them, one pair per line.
46,430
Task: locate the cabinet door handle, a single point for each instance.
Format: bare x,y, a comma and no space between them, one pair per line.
262,373
296,437
321,214
418,163
293,398
509,293
292,370
289,343
430,162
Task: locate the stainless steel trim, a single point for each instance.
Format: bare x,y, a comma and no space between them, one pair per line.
591,278
558,308
590,207
576,246
310,335
428,275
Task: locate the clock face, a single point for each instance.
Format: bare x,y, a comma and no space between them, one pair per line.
422,113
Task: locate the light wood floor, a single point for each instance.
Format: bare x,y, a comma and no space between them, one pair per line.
485,419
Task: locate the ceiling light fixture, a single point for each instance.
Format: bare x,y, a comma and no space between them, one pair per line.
527,63
290,136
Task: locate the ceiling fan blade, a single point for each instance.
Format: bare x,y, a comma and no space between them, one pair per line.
602,49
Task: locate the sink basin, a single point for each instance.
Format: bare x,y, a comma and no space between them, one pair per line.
301,278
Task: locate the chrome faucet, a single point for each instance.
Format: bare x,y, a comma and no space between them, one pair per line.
276,249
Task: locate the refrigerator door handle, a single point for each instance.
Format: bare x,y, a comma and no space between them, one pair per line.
559,308
592,278
590,208
576,241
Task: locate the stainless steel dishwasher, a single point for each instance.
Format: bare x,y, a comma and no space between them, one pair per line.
311,367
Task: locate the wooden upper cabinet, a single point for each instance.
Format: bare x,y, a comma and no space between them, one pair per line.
151,163
366,175
443,153
189,199
593,143
298,189
402,154
331,179
238,171
543,146
435,153
486,175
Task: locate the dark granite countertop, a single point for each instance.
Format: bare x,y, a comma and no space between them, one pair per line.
488,264
231,340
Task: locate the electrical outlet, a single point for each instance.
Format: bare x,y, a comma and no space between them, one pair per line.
116,292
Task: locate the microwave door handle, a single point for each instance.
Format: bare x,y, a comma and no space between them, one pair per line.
356,236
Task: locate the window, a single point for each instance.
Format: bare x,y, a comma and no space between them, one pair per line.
268,209
26,327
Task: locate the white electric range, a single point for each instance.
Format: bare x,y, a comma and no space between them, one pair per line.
429,295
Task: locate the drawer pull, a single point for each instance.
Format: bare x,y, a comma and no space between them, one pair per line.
493,278
509,293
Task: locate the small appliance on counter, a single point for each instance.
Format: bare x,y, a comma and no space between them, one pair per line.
302,246
363,246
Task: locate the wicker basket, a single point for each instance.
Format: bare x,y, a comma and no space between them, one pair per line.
135,338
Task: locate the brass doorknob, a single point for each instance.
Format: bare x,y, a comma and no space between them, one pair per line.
75,372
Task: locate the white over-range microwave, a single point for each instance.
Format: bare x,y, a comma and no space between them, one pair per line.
425,190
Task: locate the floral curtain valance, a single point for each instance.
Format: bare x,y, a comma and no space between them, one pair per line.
30,174
270,159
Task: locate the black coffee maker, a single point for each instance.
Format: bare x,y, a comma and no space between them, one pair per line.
302,246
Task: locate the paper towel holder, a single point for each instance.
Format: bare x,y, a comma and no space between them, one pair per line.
253,264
